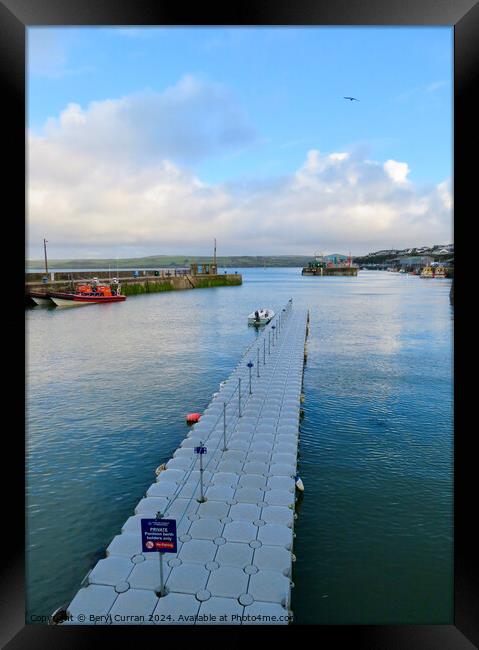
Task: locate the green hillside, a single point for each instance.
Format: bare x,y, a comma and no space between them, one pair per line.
173,261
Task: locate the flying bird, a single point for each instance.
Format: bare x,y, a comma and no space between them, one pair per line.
353,99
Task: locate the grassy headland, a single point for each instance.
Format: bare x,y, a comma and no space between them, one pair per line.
173,261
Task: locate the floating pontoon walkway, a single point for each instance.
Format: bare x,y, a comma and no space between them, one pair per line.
235,549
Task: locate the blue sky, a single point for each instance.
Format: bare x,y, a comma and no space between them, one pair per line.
254,103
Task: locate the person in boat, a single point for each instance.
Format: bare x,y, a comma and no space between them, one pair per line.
256,315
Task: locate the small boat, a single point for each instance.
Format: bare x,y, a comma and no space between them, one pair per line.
439,272
427,272
260,317
87,294
40,298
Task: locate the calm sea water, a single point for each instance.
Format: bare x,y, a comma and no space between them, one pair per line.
108,387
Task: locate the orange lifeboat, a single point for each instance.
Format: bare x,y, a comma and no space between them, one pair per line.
86,294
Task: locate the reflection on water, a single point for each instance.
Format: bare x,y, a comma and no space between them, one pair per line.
108,387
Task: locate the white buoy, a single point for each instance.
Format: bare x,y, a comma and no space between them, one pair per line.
299,484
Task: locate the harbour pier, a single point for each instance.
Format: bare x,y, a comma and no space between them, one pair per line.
134,282
233,504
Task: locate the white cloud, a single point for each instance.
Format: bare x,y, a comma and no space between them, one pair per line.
339,156
186,122
397,171
113,176
445,194
72,116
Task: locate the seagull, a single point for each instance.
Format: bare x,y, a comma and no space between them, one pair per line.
353,99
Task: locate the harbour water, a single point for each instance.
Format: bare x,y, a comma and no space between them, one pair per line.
108,387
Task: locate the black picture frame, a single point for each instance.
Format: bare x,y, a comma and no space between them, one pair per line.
15,17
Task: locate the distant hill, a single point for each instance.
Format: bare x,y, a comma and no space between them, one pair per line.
174,261
437,251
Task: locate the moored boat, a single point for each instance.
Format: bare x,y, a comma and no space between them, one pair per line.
433,272
260,317
439,272
427,272
39,298
86,294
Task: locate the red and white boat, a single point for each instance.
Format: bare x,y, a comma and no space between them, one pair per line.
40,298
86,294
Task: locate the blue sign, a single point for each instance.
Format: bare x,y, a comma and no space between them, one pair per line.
200,450
158,535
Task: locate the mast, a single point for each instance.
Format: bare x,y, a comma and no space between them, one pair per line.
45,253
214,254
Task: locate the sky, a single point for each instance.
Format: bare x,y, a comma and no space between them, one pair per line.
145,140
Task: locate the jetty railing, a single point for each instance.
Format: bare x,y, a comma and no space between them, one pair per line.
236,408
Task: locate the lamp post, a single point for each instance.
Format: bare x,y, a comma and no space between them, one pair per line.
45,241
161,592
200,450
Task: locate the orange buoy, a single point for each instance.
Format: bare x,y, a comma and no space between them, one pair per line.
191,418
